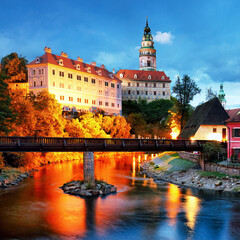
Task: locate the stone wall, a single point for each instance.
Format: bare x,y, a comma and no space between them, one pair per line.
190,156
209,166
213,167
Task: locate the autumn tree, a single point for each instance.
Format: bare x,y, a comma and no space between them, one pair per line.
14,68
6,114
185,89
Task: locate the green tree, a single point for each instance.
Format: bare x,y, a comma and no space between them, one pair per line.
6,114
185,89
14,68
138,124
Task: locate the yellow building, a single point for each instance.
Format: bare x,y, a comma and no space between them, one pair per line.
77,86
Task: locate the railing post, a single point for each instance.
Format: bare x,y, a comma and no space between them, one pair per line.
123,144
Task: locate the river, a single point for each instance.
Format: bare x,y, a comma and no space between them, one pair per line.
141,209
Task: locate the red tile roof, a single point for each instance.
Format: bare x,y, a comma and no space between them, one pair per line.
143,75
70,63
234,115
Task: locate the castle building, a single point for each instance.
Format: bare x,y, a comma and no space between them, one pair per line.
77,86
221,96
145,83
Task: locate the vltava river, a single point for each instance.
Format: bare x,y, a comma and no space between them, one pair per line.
142,209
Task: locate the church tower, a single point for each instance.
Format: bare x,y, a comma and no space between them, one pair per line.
221,96
147,53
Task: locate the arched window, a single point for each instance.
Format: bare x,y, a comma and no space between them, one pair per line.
149,77
135,75
121,75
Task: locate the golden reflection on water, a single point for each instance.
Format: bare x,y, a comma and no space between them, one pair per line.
173,203
192,207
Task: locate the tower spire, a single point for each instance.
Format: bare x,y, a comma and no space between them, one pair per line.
147,53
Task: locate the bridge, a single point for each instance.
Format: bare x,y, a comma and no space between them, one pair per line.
61,144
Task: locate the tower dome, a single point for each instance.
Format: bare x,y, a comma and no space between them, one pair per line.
147,53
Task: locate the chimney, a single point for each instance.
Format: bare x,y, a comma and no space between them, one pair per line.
79,59
48,50
102,66
113,71
93,63
64,54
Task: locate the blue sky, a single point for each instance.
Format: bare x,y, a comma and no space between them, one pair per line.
198,38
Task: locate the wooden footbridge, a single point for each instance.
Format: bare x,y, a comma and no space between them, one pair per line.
61,144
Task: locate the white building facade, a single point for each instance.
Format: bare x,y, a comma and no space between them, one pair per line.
76,85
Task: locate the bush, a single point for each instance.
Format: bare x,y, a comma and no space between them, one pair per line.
1,161
15,159
211,151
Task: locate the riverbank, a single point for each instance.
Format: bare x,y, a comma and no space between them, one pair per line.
13,176
170,168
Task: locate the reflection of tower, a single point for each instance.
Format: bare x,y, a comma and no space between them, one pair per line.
147,53
221,96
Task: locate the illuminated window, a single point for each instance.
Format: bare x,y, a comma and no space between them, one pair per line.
70,99
61,85
85,79
53,84
79,77
100,92
62,98
69,86
93,102
86,100
78,100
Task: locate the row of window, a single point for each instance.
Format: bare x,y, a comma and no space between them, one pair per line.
133,92
146,85
79,100
40,72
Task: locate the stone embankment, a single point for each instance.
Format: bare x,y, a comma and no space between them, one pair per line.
13,177
84,190
192,178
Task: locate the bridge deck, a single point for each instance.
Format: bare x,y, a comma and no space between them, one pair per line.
50,144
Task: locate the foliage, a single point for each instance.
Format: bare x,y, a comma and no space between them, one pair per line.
14,68
15,159
138,123
2,163
211,150
216,175
185,89
6,115
209,94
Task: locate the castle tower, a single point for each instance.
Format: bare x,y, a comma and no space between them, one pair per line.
221,96
147,53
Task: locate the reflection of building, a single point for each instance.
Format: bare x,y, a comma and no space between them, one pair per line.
75,84
146,83
233,124
207,122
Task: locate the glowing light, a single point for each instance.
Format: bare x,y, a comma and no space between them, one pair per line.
175,129
215,136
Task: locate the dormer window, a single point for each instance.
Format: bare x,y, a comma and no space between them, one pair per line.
135,75
121,75
99,72
162,77
89,69
111,75
37,60
78,67
149,77
60,62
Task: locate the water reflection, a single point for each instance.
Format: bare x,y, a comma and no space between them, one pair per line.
141,209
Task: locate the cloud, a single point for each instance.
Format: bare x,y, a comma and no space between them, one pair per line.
163,37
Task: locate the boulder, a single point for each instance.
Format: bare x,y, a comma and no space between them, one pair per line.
218,183
113,189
